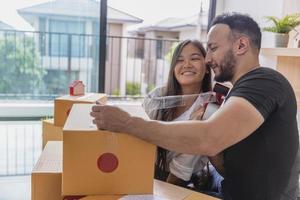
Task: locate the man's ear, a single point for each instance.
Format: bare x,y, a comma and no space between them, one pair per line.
242,45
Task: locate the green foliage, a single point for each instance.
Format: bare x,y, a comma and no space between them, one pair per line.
150,88
19,66
283,25
133,88
116,92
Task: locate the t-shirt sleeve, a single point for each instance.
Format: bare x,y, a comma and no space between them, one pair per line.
263,91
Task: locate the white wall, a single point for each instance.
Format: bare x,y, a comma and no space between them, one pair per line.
291,6
257,9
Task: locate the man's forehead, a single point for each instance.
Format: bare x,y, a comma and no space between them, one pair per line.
217,33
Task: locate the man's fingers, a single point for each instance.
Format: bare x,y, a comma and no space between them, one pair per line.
94,114
99,108
99,123
95,121
96,108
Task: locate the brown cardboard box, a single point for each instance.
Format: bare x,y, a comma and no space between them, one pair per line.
51,132
47,176
102,162
62,105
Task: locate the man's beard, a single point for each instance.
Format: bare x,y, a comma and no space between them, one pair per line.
226,67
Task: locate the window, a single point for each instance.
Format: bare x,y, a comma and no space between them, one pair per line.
66,38
140,46
42,36
57,81
159,46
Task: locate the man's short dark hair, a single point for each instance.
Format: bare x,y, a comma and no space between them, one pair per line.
241,23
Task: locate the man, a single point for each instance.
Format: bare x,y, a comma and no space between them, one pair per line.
256,128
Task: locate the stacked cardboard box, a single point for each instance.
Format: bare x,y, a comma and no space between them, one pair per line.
97,162
50,131
52,128
102,162
47,177
92,164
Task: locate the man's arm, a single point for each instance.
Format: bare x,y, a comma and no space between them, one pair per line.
233,122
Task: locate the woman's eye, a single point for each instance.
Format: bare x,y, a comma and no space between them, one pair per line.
196,59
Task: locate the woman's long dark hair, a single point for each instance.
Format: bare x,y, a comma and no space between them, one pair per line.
174,88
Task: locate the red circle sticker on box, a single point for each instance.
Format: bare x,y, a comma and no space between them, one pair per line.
107,162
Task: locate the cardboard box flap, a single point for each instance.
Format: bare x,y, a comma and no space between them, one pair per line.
79,118
88,97
50,160
51,132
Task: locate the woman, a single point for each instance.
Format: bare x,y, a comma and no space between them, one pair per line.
188,75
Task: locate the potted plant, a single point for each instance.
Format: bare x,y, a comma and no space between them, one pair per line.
282,27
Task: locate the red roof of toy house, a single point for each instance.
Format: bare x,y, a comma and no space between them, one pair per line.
76,83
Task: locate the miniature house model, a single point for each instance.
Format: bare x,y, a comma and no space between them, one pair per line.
77,88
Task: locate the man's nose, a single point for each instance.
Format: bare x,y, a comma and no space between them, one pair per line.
208,58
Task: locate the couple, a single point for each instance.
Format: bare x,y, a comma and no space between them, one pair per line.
255,130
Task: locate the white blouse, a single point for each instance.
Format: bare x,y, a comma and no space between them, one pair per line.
184,165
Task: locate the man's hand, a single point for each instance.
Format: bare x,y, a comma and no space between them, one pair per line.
110,118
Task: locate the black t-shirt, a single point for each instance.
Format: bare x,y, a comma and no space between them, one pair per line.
260,166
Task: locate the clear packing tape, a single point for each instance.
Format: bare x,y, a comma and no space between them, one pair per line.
157,101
